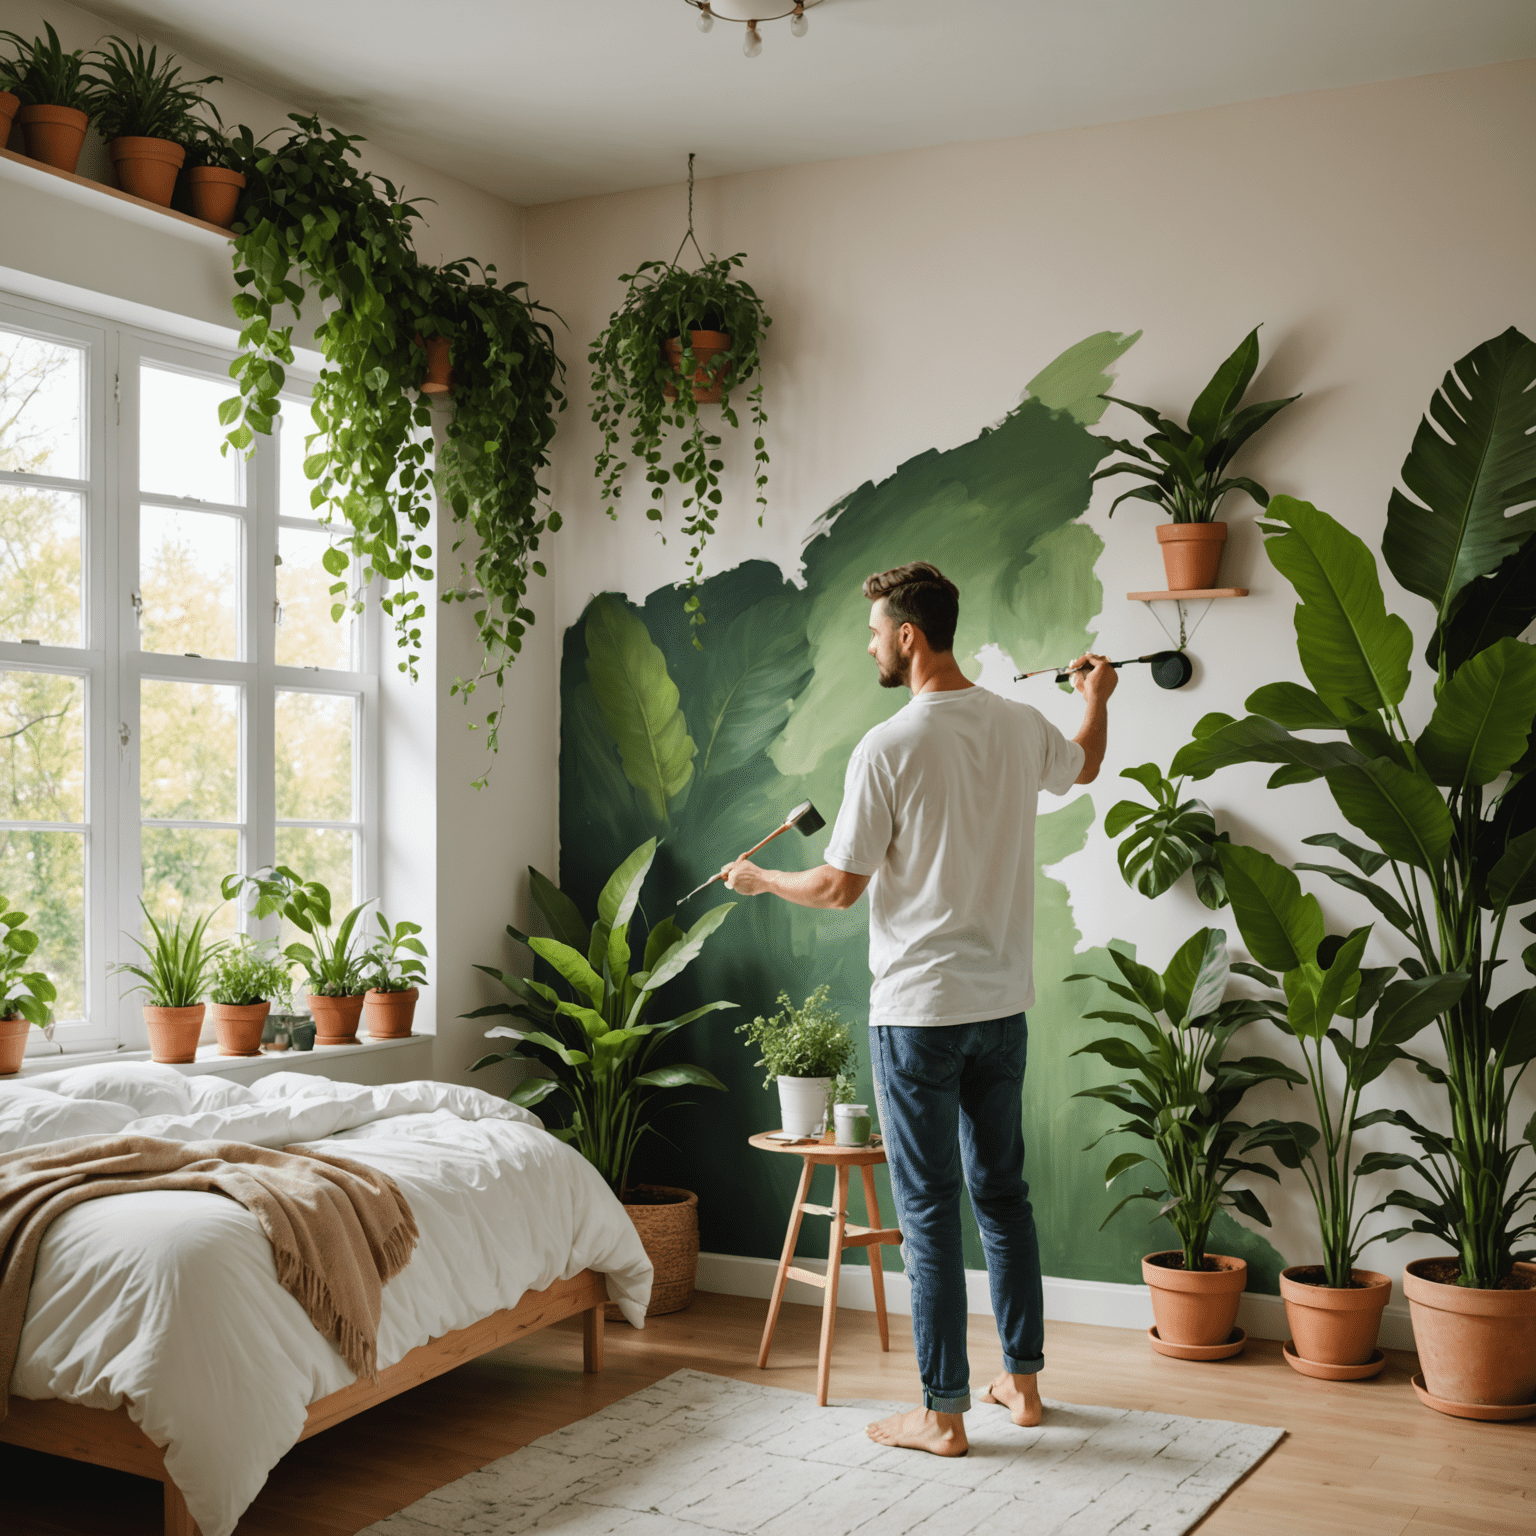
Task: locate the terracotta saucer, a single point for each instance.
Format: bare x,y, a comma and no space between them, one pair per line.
1234,1346
1325,1372
1489,1411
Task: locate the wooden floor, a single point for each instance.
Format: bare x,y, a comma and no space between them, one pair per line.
1360,1459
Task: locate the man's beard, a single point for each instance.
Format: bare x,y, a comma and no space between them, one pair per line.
900,676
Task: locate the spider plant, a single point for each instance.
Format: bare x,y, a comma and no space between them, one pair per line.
178,965
138,97
45,74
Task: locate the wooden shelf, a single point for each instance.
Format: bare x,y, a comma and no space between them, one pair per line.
1191,592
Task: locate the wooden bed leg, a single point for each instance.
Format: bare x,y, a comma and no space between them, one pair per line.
178,1522
591,1345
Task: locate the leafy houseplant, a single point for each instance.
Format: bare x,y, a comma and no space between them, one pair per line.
247,979
1179,1092
396,966
215,170
57,95
1185,468
178,967
1450,808
1171,836
810,1053
24,994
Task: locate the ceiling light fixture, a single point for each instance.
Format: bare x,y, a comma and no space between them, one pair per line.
711,11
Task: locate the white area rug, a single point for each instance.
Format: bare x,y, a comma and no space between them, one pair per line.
698,1453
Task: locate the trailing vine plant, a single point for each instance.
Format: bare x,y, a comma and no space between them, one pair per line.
632,375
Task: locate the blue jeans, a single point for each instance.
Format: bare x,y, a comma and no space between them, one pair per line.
950,1098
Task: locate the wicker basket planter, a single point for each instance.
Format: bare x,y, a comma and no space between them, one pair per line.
670,1233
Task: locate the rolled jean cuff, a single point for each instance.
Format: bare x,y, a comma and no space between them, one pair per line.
1023,1367
937,1402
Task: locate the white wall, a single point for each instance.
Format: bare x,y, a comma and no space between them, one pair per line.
1379,232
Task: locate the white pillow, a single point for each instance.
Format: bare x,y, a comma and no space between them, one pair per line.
210,1091
145,1087
29,1117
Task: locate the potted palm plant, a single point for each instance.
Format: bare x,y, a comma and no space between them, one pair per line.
396,966
587,1027
24,994
57,96
247,979
1186,467
1449,804
1180,1091
809,1052
176,972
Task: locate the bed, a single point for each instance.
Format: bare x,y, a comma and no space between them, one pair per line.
157,1339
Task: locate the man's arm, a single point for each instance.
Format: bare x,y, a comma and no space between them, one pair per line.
821,887
1095,684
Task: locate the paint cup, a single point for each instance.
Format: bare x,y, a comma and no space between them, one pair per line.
851,1122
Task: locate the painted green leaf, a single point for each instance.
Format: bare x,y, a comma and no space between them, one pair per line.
1351,648
1281,927
1468,474
1482,719
639,703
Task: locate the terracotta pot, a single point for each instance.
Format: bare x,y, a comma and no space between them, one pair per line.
389,1014
239,1027
173,1032
54,135
439,379
707,345
670,1234
1191,554
10,105
147,167
1333,1326
13,1043
1198,1308
1475,1346
215,193
336,1018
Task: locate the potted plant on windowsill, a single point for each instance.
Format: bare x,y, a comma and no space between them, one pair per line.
396,967
177,970
588,1030
1186,467
248,978
1180,1092
810,1053
57,97
24,995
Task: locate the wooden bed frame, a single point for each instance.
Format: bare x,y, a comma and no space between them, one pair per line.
112,1439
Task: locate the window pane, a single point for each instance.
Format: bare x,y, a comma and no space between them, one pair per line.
328,857
43,873
314,756
307,636
189,577
179,438
42,406
40,565
294,487
42,747
182,872
189,751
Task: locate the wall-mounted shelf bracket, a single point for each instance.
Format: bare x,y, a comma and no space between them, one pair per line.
1206,595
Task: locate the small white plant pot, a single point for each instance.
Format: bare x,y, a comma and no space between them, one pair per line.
803,1104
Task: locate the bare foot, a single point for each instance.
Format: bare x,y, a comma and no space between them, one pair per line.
1019,1395
940,1434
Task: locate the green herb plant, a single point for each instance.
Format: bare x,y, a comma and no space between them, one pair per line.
1449,803
1179,1091
249,972
806,1041
1186,467
139,97
588,1023
334,966
22,992
46,74
178,965
1170,836
396,962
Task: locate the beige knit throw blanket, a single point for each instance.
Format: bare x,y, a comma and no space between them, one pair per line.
338,1230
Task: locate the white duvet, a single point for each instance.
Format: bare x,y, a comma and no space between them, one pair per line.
168,1301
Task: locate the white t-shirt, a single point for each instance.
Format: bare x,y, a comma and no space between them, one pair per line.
939,807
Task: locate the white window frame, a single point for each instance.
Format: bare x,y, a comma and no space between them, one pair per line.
113,666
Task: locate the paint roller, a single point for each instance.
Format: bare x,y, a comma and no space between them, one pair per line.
805,819
1170,669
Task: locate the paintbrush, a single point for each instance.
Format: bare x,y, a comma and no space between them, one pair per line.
1170,669
805,818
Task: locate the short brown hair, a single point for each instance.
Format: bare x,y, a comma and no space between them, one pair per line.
921,595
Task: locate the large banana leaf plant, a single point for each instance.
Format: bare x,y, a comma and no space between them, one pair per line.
589,1029
1179,1090
1448,802
1170,836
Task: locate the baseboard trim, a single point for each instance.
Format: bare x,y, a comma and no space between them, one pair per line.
1105,1304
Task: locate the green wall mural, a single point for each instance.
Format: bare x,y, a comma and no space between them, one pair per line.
707,749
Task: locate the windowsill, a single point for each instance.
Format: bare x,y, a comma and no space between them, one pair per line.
209,1061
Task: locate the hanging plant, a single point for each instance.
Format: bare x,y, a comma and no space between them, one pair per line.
316,227
680,339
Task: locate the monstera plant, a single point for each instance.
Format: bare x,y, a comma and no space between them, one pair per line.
1163,840
1447,803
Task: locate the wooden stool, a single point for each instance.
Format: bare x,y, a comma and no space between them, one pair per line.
843,1235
